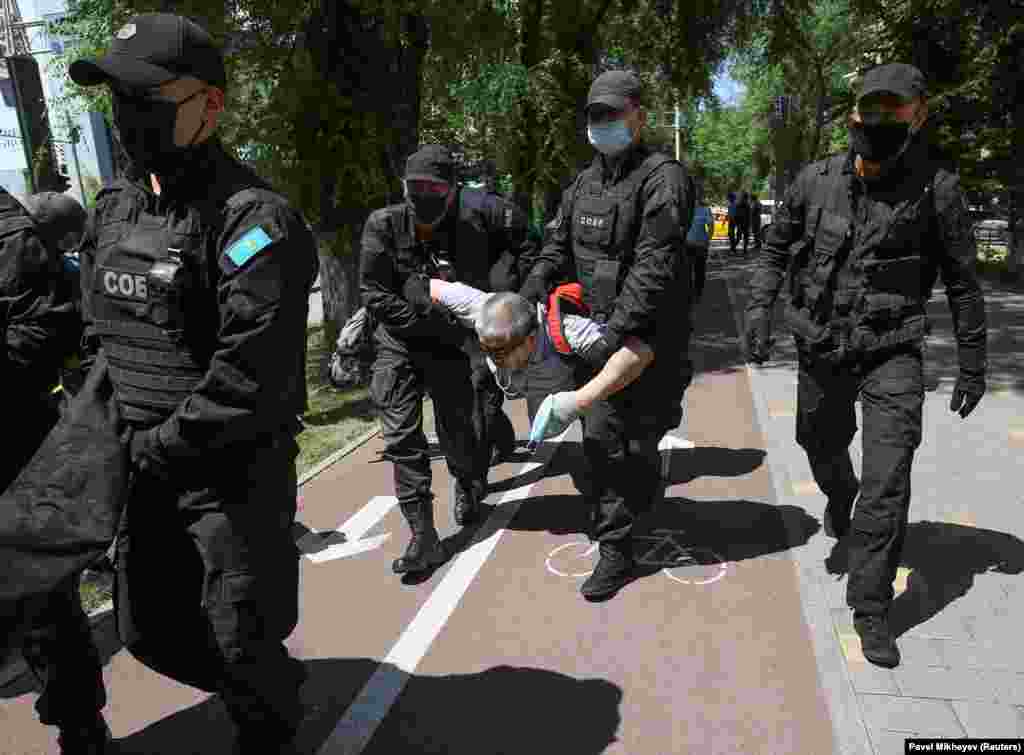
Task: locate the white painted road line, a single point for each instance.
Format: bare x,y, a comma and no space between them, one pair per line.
353,732
353,530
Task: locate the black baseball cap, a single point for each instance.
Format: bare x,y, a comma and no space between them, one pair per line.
901,79
56,214
613,89
431,163
152,49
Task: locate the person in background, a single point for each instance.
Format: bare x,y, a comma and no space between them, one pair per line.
698,239
731,218
742,221
755,220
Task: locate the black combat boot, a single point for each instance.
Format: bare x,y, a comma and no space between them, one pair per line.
468,498
425,550
613,572
89,738
876,640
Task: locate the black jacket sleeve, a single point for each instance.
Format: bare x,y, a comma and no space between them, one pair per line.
380,284
779,237
508,228
667,211
254,387
957,253
36,307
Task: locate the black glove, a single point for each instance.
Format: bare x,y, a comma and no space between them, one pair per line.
147,454
535,289
758,336
969,388
601,350
416,291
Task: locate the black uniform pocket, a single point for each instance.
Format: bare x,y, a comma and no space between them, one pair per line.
234,613
382,386
594,222
899,275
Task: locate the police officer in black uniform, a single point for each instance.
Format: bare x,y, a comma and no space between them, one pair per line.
61,219
622,224
439,231
864,235
41,328
195,283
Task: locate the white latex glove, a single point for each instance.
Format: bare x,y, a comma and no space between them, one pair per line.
556,413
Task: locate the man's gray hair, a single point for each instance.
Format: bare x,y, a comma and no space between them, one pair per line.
506,316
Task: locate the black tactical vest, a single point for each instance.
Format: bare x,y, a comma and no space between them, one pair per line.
154,301
464,239
606,222
861,286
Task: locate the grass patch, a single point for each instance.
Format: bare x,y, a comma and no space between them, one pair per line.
95,589
334,418
993,264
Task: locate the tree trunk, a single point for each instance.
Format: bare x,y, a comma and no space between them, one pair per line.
355,57
524,161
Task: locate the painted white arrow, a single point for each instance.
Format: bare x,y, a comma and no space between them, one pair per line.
673,442
352,533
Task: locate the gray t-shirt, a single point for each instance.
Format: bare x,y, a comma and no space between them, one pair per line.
465,304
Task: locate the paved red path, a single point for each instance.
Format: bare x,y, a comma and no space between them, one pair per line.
716,660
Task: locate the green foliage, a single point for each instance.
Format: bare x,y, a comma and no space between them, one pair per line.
724,147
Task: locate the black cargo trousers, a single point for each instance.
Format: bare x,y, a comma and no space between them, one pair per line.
207,584
620,437
403,373
57,644
890,387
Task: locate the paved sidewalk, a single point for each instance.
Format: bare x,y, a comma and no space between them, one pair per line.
959,609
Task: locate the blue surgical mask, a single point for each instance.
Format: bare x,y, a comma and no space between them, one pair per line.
611,138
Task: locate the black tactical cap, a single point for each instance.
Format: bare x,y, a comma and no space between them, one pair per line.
152,49
612,88
56,215
901,79
431,163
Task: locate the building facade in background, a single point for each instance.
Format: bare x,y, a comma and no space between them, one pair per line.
94,149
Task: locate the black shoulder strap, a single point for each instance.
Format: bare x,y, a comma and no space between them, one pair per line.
241,198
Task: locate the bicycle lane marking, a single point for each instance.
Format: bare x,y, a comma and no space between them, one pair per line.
683,553
848,723
355,729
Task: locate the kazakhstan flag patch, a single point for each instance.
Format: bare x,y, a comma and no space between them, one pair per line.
247,247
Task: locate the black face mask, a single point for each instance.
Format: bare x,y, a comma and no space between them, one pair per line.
145,128
429,210
879,142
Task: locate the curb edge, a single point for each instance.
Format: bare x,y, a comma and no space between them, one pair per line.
339,454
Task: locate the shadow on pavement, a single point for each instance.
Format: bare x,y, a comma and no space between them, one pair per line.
734,530
686,465
518,710
944,559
